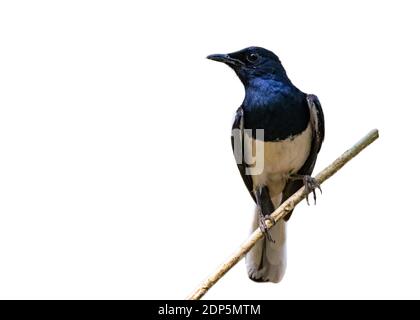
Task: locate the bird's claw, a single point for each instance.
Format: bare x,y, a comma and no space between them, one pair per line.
264,228
311,184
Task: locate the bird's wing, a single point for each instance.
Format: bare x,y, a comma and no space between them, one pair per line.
237,139
318,132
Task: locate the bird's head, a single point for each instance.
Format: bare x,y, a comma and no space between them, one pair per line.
253,63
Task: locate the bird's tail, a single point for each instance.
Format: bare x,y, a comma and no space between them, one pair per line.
267,260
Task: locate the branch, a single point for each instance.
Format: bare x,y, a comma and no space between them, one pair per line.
282,211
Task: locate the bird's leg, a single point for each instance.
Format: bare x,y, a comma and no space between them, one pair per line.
263,200
310,184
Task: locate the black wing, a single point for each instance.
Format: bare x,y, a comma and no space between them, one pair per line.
237,139
318,133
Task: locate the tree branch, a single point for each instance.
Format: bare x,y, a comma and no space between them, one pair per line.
282,211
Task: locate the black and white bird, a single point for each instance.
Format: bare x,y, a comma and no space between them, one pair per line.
293,132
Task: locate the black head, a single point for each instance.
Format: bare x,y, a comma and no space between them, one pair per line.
252,63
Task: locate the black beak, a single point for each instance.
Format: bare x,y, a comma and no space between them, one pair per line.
225,58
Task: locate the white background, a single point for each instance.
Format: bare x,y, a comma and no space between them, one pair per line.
116,173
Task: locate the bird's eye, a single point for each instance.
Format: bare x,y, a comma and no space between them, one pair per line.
252,57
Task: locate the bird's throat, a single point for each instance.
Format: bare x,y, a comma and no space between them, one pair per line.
279,108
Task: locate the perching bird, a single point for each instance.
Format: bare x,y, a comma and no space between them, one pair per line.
293,131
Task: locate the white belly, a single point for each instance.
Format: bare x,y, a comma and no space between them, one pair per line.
280,159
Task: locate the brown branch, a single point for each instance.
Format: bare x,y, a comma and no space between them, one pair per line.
282,211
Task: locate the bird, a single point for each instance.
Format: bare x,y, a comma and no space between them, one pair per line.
287,126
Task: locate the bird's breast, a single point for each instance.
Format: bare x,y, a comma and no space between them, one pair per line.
285,117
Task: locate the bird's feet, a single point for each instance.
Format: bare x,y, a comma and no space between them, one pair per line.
310,185
264,228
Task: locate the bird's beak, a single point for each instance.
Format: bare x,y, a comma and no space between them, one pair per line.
225,58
